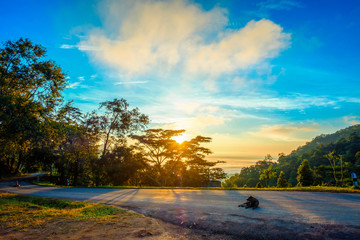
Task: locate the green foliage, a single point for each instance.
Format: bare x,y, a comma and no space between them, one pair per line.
267,174
282,182
334,159
118,122
23,211
38,131
305,175
251,175
122,164
328,139
259,185
231,181
30,90
98,211
44,202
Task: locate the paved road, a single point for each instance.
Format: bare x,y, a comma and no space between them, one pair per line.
294,213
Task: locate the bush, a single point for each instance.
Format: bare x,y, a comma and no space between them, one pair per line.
259,185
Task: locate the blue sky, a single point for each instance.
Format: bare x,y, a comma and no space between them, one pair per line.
258,77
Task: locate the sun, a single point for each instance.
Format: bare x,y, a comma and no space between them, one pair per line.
180,138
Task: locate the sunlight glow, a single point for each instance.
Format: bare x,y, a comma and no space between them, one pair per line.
181,138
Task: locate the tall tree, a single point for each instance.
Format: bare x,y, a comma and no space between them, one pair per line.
160,147
173,162
200,169
281,182
267,174
118,121
30,89
333,159
305,174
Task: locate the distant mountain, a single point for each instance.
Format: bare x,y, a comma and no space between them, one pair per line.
326,139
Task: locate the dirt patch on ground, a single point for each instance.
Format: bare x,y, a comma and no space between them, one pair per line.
132,226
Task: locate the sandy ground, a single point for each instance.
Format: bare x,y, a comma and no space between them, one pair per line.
131,226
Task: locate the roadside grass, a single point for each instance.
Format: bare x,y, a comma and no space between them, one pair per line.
44,183
304,189
20,212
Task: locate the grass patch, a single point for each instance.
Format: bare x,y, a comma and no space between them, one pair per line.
17,211
305,189
43,183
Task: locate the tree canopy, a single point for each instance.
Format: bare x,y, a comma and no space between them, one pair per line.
39,131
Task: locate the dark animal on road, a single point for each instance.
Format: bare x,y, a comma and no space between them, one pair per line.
251,202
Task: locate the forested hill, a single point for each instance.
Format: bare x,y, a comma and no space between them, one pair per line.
325,139
330,160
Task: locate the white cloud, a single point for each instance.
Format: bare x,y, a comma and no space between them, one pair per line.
82,47
240,49
74,85
352,120
130,82
81,78
279,4
290,102
159,36
285,132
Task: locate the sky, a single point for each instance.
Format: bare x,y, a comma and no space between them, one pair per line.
259,77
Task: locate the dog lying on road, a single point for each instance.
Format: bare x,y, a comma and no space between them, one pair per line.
251,202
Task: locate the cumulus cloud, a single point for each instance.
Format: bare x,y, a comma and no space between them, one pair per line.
352,120
148,36
239,49
284,132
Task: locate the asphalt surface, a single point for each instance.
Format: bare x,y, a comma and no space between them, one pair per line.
289,215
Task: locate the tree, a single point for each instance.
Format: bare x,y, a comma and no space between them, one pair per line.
159,148
30,89
305,175
333,159
199,169
112,128
282,182
121,164
172,160
267,174
118,121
